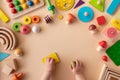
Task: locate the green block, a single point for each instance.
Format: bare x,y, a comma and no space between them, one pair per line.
114,53
100,7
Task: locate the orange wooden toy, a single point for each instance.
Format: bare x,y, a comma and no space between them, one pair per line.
17,76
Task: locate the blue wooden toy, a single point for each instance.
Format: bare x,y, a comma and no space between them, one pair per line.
3,56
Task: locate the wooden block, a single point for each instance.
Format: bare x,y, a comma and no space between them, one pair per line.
116,23
3,16
53,55
6,69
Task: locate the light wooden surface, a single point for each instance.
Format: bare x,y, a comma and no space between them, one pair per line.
69,41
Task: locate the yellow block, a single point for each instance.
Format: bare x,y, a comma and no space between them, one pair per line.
116,23
53,55
3,16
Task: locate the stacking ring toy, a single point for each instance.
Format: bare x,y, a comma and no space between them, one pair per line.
16,26
35,19
25,29
27,20
111,32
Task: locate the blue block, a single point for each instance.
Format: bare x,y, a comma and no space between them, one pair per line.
3,56
113,6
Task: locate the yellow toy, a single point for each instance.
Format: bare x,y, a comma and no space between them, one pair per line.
27,20
24,6
53,55
116,23
3,16
22,1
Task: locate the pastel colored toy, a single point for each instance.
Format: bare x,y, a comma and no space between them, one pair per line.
8,38
50,6
36,29
114,53
111,32
17,76
3,56
3,16
113,6
98,4
102,45
27,20
35,19
64,4
93,29
53,55
108,74
25,29
101,20
85,14
18,52
70,18
16,26
80,2
116,23
105,58
47,19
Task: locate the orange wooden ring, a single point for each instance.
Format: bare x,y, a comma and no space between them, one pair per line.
35,19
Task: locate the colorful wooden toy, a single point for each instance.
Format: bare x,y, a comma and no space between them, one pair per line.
14,11
11,5
17,76
102,45
70,19
93,29
85,14
24,6
48,19
98,4
30,3
22,1
60,17
3,16
53,55
36,29
18,52
105,58
36,19
36,1
64,4
25,29
3,56
80,2
9,0
101,20
116,23
27,20
16,26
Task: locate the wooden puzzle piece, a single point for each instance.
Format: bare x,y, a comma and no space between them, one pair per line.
8,36
3,56
116,23
3,16
98,4
80,2
101,20
53,55
113,6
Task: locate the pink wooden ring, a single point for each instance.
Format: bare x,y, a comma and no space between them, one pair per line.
25,29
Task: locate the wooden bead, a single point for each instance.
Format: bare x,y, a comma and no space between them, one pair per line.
36,1
18,52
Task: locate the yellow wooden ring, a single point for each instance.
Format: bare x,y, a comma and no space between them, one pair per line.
27,20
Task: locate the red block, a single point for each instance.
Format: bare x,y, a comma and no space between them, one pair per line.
101,20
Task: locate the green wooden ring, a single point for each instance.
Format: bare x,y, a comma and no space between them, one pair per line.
16,26
51,7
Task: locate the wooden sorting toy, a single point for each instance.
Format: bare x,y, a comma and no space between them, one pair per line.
17,76
18,52
102,45
64,4
108,74
8,38
16,26
21,7
25,29
70,19
27,20
52,55
3,17
35,19
93,29
3,56
101,20
116,23
80,2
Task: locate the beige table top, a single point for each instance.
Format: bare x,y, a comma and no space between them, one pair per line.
69,41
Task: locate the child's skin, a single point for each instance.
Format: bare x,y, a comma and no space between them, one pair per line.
76,68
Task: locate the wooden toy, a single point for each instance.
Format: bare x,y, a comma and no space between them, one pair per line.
50,6
71,18
116,23
11,5
21,7
35,19
27,20
36,29
9,0
80,2
101,20
9,66
17,76
18,52
53,55
60,17
93,29
105,58
98,4
8,38
47,19
25,29
64,4
85,14
16,26
108,74
102,45
3,56
3,16
114,53
113,6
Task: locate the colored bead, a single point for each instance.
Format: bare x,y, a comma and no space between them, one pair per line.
105,58
47,19
16,2
11,5
13,11
60,17
36,29
25,29
9,0
93,29
27,20
51,7
30,3
18,52
36,1
19,8
16,26
24,6
22,1
35,19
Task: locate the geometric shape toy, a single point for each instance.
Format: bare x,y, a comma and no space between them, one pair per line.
116,23
3,16
80,2
3,56
101,20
